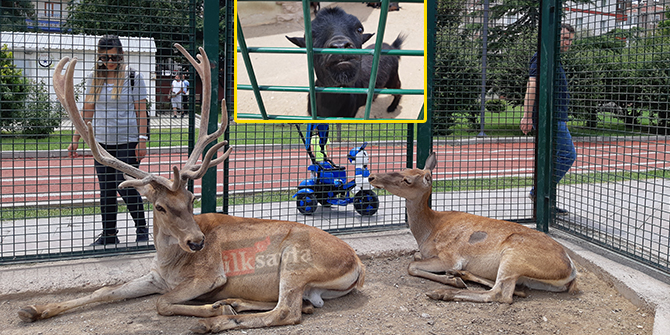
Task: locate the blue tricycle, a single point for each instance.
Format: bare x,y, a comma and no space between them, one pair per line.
328,184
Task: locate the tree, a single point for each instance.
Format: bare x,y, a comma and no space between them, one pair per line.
15,13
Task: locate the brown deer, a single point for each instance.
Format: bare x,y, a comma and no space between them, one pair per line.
232,264
456,247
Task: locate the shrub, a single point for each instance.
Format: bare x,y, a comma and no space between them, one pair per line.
13,90
496,106
41,115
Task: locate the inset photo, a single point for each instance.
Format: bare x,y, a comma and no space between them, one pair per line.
298,64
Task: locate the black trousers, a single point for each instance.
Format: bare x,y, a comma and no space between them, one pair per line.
109,180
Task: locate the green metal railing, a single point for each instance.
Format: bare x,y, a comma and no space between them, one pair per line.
310,51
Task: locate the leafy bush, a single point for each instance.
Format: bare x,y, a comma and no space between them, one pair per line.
13,89
41,115
496,106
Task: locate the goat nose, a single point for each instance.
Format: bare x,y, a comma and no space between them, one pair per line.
341,44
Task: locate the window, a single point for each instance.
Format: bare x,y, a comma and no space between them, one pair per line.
603,3
579,21
52,10
603,24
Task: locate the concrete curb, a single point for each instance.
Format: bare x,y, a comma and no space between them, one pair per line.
633,281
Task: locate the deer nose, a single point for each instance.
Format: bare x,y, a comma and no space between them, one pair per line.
371,178
196,246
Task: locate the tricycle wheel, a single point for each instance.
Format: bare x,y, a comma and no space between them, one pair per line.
366,202
306,203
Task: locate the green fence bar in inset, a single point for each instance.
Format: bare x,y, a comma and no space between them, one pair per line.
250,69
309,50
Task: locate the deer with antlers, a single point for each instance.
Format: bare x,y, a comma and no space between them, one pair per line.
456,247
277,268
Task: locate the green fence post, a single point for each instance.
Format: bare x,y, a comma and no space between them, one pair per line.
211,45
424,131
549,23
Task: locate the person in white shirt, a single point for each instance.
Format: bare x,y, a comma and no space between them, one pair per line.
176,93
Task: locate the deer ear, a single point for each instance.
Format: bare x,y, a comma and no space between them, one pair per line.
431,162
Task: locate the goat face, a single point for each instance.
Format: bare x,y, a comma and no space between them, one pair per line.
333,28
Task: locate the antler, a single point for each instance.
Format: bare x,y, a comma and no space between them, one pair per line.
191,169
64,88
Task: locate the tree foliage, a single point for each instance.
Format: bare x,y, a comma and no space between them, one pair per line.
166,21
15,13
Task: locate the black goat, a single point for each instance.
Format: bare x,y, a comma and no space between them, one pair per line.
334,28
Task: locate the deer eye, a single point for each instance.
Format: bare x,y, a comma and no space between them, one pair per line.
160,208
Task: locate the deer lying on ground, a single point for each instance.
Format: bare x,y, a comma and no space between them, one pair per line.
457,247
234,264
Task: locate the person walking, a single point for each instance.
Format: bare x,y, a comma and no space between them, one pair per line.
115,103
565,149
176,92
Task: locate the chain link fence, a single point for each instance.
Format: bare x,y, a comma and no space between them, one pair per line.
606,87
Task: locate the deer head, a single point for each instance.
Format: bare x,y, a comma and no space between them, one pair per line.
411,184
173,203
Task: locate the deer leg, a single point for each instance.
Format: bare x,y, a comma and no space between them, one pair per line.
468,276
139,287
241,305
287,311
430,269
502,291
171,302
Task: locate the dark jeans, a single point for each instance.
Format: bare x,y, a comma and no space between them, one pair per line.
565,153
109,180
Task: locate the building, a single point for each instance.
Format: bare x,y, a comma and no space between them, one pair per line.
36,54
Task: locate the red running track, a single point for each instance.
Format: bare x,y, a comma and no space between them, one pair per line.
57,180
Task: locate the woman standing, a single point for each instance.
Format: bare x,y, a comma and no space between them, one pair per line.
115,101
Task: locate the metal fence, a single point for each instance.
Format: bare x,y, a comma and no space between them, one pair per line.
615,111
614,193
50,202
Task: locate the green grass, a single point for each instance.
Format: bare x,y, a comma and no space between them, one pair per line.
439,186
496,124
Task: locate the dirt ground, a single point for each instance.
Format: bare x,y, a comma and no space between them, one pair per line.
391,302
267,23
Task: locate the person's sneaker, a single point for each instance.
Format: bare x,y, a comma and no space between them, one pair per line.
104,240
182,116
174,116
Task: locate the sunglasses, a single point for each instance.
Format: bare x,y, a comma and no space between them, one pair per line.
107,58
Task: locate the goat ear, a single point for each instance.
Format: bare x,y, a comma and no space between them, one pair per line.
366,37
431,162
299,41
